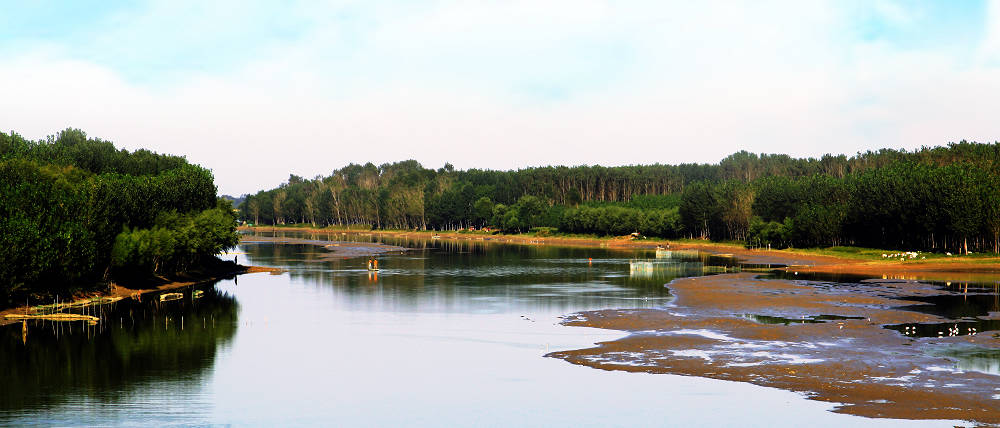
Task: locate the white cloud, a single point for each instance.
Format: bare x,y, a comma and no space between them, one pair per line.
989,52
458,83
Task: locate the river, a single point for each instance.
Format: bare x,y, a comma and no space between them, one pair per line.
446,334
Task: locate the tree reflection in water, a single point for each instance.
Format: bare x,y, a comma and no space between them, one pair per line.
135,343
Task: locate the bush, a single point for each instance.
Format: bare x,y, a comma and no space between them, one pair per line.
543,231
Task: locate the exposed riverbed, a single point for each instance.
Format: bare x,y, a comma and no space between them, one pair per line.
825,339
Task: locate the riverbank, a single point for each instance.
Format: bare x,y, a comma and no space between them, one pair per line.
967,268
137,289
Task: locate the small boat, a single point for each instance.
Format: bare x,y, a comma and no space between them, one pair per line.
196,294
435,236
166,297
56,317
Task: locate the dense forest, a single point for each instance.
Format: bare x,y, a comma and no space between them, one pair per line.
76,212
936,198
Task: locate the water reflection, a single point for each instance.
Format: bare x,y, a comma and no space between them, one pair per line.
821,277
330,343
812,319
972,358
965,301
49,363
664,270
955,306
967,327
477,276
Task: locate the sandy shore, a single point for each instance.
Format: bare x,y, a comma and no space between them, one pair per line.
713,329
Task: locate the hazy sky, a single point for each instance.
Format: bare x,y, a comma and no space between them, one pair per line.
257,91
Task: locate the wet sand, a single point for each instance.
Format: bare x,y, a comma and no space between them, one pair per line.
868,370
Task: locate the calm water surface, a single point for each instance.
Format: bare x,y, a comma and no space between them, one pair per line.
449,334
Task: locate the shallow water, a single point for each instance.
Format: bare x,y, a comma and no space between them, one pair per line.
447,334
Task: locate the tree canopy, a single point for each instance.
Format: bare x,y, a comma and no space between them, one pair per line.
76,211
943,198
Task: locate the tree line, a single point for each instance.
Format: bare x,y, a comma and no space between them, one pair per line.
934,198
76,211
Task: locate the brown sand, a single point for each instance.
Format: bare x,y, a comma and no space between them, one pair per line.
866,369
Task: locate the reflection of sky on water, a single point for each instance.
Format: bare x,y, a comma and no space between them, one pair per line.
449,335
452,277
972,358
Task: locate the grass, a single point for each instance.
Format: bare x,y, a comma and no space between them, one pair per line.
875,254
858,253
734,244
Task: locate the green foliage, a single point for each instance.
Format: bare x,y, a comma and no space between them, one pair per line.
176,242
530,211
653,202
543,231
700,210
770,233
643,202
65,200
44,239
617,221
939,198
482,210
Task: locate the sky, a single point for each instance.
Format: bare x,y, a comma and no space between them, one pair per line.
256,91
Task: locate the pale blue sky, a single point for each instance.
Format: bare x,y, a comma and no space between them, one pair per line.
498,84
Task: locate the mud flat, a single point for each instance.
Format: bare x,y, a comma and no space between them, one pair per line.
827,341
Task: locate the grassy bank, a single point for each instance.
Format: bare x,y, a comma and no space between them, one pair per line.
826,256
